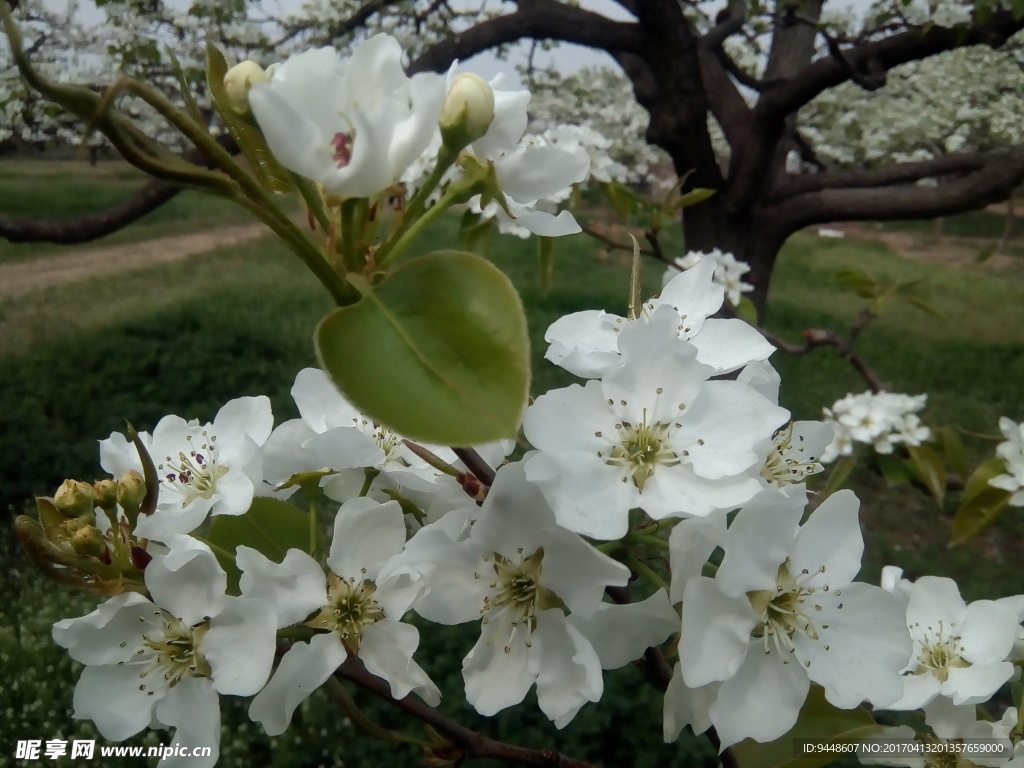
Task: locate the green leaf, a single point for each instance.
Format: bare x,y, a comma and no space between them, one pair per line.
978,481
985,254
438,351
837,476
953,449
819,722
865,286
747,311
924,306
271,527
930,470
978,513
894,469
271,175
546,262
694,196
185,89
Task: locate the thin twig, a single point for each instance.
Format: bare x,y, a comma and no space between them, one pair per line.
475,464
471,743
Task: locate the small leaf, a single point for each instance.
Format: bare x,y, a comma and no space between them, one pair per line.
694,196
924,306
865,286
929,470
978,481
985,254
953,449
746,311
271,527
894,469
977,513
438,351
270,173
546,262
837,476
818,722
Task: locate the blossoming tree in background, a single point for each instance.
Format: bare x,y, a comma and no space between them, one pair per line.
659,514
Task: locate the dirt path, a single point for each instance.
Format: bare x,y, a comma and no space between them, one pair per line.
23,277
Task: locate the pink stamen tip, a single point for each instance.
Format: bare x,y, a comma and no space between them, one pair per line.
342,150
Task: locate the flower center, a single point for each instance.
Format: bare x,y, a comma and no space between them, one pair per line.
350,607
517,593
173,653
782,468
390,442
342,143
194,473
788,610
940,652
640,450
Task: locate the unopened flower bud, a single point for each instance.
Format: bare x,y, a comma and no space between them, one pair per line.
88,541
106,493
75,498
131,490
237,82
468,111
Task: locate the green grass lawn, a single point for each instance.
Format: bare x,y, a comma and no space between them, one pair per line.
77,360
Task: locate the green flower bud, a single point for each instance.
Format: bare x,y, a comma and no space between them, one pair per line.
75,498
237,82
88,541
106,494
468,111
131,490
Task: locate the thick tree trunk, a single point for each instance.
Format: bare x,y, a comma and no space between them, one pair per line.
748,237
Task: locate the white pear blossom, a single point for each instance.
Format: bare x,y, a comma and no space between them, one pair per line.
1012,452
654,433
204,469
353,126
794,453
882,420
586,343
729,272
782,611
518,571
334,438
960,649
357,608
162,662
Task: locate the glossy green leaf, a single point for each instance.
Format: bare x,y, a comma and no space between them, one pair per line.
929,469
271,527
978,513
819,722
978,481
271,175
438,351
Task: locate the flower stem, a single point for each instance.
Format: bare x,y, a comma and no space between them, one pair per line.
370,475
647,572
355,715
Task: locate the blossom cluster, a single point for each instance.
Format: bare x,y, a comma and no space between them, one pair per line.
882,420
1011,451
729,272
675,442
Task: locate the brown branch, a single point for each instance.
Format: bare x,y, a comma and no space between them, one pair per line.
897,173
539,19
131,209
469,743
997,176
817,337
880,56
